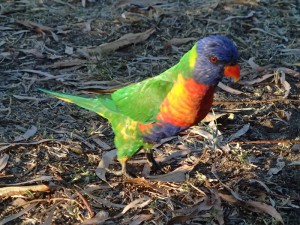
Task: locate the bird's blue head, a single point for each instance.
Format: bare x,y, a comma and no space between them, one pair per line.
216,56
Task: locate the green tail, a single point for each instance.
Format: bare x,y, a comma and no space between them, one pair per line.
102,105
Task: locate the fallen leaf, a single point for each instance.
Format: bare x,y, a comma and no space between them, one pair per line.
69,50
229,89
103,165
34,52
256,81
254,66
262,207
250,14
127,39
102,144
99,218
212,116
290,164
253,206
39,179
239,133
140,219
285,84
138,203
178,175
141,3
3,161
29,133
17,215
21,190
87,26
279,166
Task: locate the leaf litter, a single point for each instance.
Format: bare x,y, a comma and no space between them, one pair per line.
93,47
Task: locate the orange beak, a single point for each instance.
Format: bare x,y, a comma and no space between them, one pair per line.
232,71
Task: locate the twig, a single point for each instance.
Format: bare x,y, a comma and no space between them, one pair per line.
265,142
281,100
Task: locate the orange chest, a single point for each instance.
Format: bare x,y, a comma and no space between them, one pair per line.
187,103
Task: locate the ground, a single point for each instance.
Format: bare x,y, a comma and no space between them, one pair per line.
245,170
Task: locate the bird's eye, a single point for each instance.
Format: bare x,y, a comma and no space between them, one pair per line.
213,59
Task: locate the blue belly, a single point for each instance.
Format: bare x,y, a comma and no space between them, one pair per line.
162,130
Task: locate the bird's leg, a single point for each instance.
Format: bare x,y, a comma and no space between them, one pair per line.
123,171
156,166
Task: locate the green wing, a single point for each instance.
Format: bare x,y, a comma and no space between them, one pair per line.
141,101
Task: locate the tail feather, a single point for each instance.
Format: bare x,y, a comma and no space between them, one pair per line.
102,106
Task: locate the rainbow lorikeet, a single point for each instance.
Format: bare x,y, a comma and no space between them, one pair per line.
143,113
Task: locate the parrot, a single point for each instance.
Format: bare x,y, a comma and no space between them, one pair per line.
143,113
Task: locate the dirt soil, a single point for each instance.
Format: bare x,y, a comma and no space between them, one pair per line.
243,168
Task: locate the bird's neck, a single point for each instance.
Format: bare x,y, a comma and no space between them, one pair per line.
187,103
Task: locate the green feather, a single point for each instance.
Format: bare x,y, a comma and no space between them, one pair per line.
141,101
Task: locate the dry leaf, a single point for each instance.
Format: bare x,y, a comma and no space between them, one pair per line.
254,66
239,133
34,52
87,26
141,3
253,206
138,203
29,133
69,50
103,165
20,190
212,117
127,39
285,84
250,14
297,163
39,179
99,218
102,144
262,207
256,81
279,166
178,175
229,89
140,219
3,161
17,215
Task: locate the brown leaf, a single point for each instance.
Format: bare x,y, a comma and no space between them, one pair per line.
254,66
258,80
178,175
250,14
106,160
253,206
3,161
20,190
29,133
127,39
17,215
140,219
285,84
239,133
212,116
229,89
141,3
99,218
138,203
262,207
